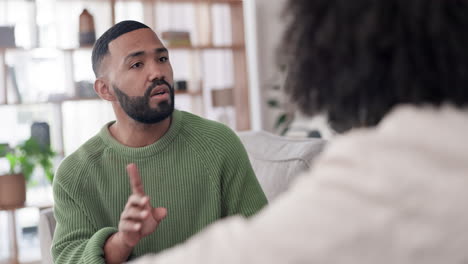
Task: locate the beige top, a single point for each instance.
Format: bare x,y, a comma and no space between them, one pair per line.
393,194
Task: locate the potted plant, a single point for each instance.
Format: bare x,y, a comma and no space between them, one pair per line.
22,160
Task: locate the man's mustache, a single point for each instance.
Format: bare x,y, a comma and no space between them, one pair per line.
155,84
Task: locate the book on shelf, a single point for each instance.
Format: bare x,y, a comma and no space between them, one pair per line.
7,37
176,38
14,84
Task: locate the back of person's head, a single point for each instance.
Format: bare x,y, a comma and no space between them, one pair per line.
101,47
354,60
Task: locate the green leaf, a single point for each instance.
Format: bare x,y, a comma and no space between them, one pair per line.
273,103
32,183
13,160
281,119
50,177
31,147
284,131
27,168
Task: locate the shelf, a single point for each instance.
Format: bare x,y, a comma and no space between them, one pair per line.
89,48
4,49
190,93
167,1
194,47
77,99
207,47
50,102
200,1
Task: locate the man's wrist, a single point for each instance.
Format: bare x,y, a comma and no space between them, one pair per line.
122,242
116,250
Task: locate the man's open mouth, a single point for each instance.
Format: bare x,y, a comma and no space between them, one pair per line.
159,91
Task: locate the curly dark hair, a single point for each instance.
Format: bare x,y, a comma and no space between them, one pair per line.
354,60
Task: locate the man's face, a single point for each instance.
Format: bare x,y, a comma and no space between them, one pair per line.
141,76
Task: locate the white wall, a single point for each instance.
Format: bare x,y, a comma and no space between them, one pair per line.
264,29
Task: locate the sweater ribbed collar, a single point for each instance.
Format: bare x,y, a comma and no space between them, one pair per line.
146,151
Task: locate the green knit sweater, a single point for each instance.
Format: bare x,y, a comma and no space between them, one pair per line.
198,170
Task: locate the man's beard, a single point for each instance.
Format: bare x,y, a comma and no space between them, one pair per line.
138,107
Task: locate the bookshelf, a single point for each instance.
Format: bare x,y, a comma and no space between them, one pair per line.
217,47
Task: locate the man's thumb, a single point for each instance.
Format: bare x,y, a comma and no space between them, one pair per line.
159,213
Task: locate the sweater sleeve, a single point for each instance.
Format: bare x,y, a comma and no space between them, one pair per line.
240,189
76,239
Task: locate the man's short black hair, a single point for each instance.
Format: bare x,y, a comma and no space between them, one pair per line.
354,60
101,47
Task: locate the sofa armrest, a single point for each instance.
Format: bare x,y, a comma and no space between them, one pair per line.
278,160
46,233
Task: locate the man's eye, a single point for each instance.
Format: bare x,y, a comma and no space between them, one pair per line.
136,65
163,59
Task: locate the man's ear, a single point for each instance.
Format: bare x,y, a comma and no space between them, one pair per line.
103,90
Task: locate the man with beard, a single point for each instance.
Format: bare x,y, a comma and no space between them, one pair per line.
181,168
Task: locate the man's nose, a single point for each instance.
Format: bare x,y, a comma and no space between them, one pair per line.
155,72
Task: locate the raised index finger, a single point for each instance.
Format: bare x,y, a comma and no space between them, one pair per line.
135,179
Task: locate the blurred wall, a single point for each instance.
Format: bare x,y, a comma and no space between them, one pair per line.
265,17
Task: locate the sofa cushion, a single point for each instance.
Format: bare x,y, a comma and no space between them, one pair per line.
278,160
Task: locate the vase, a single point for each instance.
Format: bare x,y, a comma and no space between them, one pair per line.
12,191
87,35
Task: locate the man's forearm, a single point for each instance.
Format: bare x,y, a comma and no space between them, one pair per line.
115,250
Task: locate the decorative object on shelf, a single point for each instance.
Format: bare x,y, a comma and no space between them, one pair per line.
14,83
40,131
22,160
87,32
7,37
11,183
85,89
176,38
12,191
57,97
223,99
181,85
